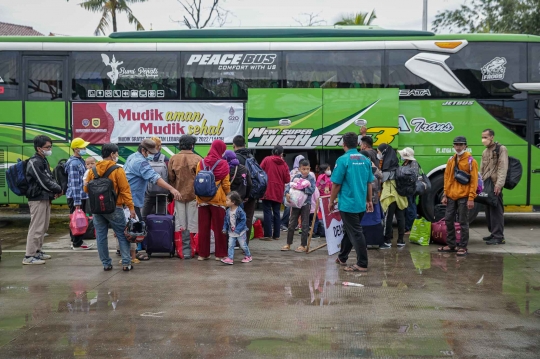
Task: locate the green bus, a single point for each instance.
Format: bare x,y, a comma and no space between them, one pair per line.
301,88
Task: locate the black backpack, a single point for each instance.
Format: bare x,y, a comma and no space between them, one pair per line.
60,175
101,193
515,170
406,179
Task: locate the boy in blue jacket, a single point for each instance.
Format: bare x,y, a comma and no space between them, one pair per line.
235,225
302,212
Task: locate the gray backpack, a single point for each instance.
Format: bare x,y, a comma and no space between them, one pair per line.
161,168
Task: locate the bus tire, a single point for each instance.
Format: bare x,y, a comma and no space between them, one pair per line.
429,200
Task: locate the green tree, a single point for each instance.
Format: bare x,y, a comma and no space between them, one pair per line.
496,16
109,10
361,18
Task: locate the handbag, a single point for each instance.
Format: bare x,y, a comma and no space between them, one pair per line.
439,232
423,184
462,176
487,196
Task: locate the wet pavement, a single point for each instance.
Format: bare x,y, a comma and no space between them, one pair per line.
415,303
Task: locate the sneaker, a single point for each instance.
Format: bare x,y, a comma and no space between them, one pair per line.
315,236
385,246
400,244
495,242
83,247
33,260
227,260
247,259
284,229
488,238
43,256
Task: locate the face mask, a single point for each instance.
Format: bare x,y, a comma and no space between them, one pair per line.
486,142
47,153
328,173
115,159
82,152
150,157
379,156
460,152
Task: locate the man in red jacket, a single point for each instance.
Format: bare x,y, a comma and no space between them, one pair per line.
278,175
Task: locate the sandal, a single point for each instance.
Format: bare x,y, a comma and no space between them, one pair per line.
446,249
355,268
128,268
142,256
462,252
340,262
202,258
300,249
286,247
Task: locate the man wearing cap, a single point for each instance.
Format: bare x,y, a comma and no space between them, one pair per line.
76,197
460,183
407,155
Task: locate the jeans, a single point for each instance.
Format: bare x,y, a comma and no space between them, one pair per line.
286,216
410,213
271,218
303,213
459,208
353,237
242,242
117,220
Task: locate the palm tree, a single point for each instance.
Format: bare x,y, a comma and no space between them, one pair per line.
109,10
361,18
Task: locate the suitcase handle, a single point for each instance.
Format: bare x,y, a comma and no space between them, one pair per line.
157,204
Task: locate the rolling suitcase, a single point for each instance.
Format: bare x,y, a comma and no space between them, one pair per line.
160,230
374,235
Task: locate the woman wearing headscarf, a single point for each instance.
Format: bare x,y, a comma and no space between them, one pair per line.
392,203
278,175
287,210
212,210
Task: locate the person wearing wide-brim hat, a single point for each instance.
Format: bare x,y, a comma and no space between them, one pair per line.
407,155
460,183
76,197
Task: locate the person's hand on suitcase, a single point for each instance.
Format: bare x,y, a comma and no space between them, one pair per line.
177,196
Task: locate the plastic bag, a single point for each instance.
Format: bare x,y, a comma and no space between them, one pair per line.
297,198
420,232
78,222
258,229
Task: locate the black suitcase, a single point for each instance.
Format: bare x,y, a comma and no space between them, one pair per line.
160,230
374,234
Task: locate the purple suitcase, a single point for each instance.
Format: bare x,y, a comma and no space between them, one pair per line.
160,231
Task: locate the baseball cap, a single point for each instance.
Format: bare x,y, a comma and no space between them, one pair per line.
79,143
460,139
407,154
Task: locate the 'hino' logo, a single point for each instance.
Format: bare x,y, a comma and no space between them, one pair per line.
494,70
415,93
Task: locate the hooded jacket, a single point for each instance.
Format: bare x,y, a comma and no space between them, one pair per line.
278,175
452,188
119,180
242,155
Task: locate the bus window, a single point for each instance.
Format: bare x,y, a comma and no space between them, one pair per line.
9,81
125,75
337,69
511,113
45,80
400,77
228,75
534,63
488,69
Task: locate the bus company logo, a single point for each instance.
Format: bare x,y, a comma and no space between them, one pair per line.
421,125
86,122
235,61
458,103
96,122
232,117
494,70
117,73
414,93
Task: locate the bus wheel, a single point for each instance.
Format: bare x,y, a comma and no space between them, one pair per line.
429,200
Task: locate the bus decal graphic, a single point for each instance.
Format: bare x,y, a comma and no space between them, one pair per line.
113,75
421,125
414,93
494,70
226,62
122,72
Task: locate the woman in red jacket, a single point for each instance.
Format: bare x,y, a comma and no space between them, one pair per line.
278,175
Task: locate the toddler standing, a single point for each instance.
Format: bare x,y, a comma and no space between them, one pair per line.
235,225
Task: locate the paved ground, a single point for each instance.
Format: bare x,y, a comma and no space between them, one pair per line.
415,303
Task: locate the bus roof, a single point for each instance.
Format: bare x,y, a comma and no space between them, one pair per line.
274,34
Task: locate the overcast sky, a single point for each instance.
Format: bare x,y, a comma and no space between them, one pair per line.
68,18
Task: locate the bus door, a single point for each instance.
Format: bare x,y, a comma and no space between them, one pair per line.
346,110
46,97
291,118
534,140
